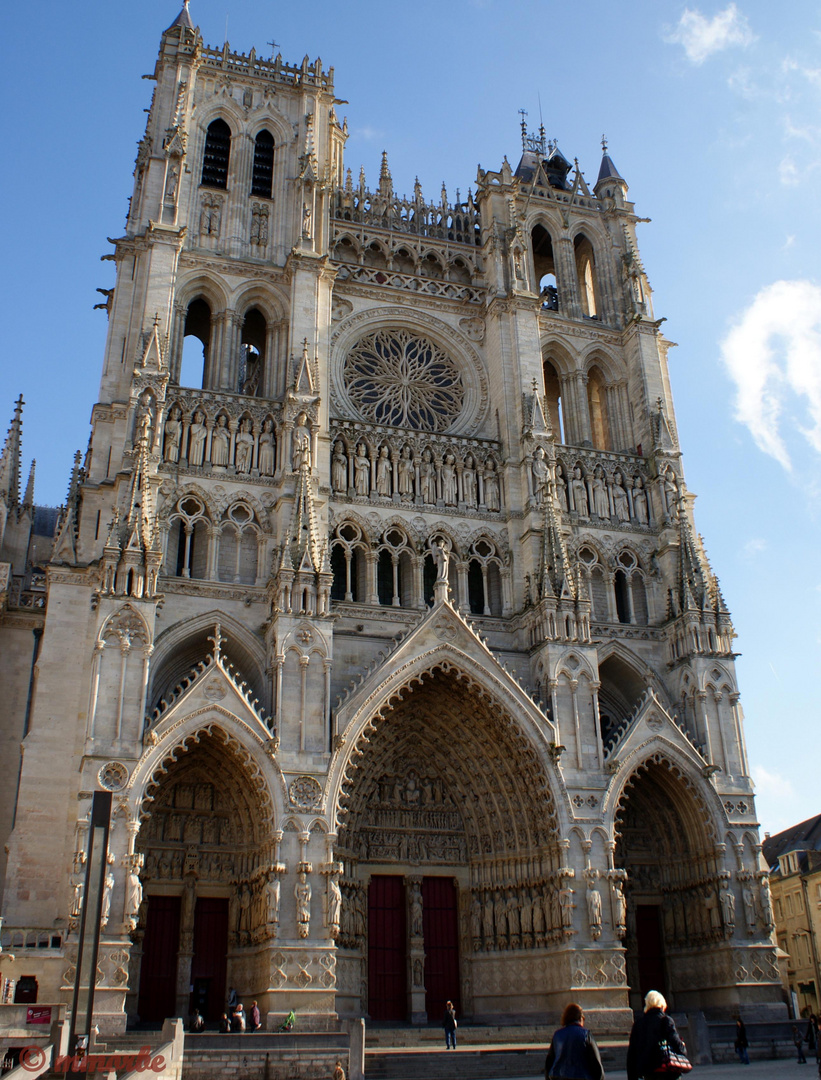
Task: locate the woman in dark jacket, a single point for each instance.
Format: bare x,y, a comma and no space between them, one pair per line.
741,1042
651,1029
573,1054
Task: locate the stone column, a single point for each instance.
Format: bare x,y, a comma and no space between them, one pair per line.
416,950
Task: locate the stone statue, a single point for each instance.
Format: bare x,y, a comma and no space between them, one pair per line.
469,481
766,905
144,420
749,908
405,475
579,489
538,912
619,905
711,904
196,451
492,497
301,443
640,501
561,489
220,440
601,504
512,911
362,471
108,888
272,896
245,447
475,919
620,504
487,921
449,492
566,906
133,895
173,433
416,911
670,489
334,903
540,472
441,557
427,478
339,468
383,472
593,909
266,448
302,893
727,900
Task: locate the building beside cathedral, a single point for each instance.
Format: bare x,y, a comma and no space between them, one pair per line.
376,601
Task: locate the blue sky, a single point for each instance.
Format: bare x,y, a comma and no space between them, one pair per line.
712,113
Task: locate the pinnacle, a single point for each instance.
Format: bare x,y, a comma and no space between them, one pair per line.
11,459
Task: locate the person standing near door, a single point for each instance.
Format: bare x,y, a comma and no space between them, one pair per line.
449,1024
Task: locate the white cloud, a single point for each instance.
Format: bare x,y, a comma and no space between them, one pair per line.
776,799
701,36
753,547
773,355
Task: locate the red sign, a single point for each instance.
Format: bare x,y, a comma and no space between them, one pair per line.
40,1015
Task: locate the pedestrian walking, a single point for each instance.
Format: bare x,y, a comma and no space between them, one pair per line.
741,1042
653,1038
573,1054
238,1019
798,1039
449,1024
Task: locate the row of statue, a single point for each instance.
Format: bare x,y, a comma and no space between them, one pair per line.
223,443
596,493
414,477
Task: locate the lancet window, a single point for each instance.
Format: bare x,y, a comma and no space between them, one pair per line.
553,401
484,579
262,177
187,546
193,365
598,408
544,268
239,543
216,156
394,570
586,274
349,564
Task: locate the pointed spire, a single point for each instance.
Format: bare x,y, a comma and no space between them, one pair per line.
607,170
692,579
385,178
303,550
554,570
11,458
183,19
65,540
28,498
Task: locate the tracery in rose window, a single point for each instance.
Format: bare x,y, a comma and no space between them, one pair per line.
399,378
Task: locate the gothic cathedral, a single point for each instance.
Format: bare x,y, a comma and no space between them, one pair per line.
376,601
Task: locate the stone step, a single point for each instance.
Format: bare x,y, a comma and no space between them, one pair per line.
468,1062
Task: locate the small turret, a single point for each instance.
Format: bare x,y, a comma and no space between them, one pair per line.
11,458
610,183
183,19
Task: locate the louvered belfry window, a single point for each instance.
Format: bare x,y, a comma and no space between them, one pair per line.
263,175
217,153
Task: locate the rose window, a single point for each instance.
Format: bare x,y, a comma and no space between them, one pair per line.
399,378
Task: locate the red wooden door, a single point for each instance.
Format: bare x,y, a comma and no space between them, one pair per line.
158,972
441,928
387,949
210,949
650,948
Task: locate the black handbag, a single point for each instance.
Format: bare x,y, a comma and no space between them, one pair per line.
672,1063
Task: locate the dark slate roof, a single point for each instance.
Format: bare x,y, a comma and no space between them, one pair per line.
806,836
183,19
45,520
608,170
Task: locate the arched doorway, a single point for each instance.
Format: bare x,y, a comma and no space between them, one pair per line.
450,853
206,843
674,919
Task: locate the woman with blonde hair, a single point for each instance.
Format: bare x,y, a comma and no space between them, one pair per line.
573,1054
645,1053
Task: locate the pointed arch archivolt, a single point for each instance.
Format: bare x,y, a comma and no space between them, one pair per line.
465,747
230,746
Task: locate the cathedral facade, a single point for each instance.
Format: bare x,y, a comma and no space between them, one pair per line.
376,601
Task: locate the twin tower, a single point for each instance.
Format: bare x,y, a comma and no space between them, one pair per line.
376,601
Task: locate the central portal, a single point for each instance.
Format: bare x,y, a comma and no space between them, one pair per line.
447,844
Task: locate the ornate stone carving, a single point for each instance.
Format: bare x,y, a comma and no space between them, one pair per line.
402,379
113,776
305,793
